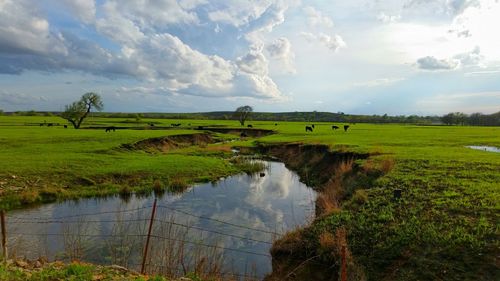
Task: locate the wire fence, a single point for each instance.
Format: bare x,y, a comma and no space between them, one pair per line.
172,240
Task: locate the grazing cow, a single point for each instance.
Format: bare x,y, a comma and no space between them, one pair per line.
50,125
41,124
309,129
275,124
249,126
346,127
65,126
335,127
109,129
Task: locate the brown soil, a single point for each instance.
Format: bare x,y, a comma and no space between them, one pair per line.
164,144
254,133
295,255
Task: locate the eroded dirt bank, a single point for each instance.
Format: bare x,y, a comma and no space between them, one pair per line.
164,144
335,175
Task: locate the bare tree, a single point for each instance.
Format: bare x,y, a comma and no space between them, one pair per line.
76,112
242,113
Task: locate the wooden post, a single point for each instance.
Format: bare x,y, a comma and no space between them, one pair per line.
343,273
144,257
4,236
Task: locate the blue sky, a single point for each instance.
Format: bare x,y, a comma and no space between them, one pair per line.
355,56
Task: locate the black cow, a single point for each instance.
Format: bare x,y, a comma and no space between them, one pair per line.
50,125
109,129
335,127
249,126
309,129
243,135
151,124
175,125
41,124
275,124
346,127
65,126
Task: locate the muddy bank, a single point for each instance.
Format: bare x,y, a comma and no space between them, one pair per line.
164,144
315,164
335,175
244,132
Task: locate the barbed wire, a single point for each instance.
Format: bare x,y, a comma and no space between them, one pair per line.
81,215
143,235
214,231
219,221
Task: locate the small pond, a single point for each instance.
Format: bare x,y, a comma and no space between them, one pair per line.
485,148
234,220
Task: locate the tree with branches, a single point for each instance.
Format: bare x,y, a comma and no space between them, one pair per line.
242,113
76,112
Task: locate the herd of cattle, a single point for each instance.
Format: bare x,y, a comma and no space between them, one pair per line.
113,128
334,127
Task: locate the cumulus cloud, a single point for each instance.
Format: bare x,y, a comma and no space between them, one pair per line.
145,52
332,42
449,7
281,50
83,9
149,14
24,31
382,17
316,18
432,63
235,13
472,58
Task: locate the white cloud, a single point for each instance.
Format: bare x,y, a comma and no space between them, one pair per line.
467,59
472,58
83,9
332,42
432,63
24,30
316,18
154,14
118,27
237,12
281,50
387,18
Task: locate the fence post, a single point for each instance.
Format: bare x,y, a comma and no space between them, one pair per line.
144,257
343,274
4,236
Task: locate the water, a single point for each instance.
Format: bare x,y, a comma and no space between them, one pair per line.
239,215
485,148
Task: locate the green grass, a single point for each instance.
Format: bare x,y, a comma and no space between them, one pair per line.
446,227
70,272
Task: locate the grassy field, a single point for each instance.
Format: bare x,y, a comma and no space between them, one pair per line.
446,227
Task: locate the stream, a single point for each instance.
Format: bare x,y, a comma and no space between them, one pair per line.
231,222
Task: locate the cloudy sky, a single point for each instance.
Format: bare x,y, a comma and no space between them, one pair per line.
354,56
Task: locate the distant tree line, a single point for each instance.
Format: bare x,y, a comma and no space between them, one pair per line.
455,118
474,119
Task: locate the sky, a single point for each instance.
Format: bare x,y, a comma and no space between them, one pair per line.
398,57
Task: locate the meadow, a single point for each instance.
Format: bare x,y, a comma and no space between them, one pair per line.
445,227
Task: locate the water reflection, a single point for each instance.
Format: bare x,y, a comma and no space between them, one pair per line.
252,206
485,148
